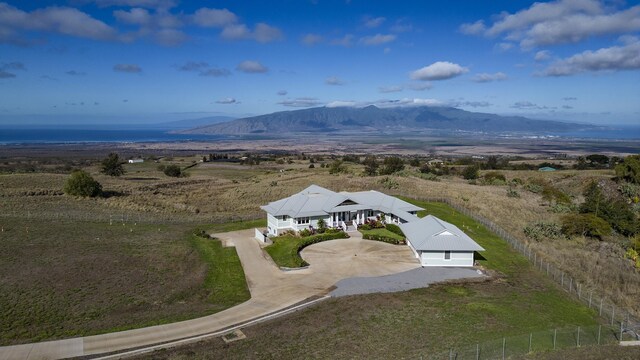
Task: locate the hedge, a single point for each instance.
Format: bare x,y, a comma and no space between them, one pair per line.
385,239
314,239
395,229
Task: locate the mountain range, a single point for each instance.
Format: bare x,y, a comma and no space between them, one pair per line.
372,119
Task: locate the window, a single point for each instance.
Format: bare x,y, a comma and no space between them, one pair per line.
303,220
447,255
285,218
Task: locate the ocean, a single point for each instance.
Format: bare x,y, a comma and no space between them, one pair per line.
65,135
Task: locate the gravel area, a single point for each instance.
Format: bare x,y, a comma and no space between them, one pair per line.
412,279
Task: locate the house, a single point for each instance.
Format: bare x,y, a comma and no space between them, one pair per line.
433,241
546,168
136,161
343,209
436,242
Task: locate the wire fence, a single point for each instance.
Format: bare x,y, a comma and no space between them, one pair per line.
546,340
129,217
619,321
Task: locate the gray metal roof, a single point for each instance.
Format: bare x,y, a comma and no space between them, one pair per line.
433,234
316,201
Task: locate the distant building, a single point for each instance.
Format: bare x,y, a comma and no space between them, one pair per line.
135,161
547,168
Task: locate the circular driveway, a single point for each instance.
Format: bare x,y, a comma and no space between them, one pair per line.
357,257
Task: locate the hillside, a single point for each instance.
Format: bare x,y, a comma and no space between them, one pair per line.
374,119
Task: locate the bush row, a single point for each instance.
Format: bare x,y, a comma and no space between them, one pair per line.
394,229
385,239
316,239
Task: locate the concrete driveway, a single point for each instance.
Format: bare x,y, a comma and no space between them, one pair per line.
271,290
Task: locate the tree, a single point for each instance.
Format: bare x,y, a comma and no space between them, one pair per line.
391,165
80,183
585,225
471,172
370,165
173,170
112,165
414,162
615,211
322,225
629,170
337,167
425,168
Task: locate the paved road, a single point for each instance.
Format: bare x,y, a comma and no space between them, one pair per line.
271,290
412,279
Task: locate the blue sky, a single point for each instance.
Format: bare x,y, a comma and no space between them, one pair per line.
156,60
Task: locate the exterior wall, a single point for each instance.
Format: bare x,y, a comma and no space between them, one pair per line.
275,226
436,258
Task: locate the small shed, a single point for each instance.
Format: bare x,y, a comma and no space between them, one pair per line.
436,242
136,161
547,168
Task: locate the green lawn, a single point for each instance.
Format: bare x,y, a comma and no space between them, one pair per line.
236,225
225,281
285,250
382,232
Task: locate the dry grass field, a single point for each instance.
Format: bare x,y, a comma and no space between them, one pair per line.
74,273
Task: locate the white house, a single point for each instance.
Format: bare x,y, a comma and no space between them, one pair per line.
436,242
344,209
136,161
433,241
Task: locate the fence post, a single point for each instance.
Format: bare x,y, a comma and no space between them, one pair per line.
578,338
613,313
530,338
590,294
621,329
570,285
579,286
477,351
555,332
450,354
562,280
504,344
600,311
599,329
547,269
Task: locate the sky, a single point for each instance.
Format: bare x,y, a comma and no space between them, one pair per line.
129,61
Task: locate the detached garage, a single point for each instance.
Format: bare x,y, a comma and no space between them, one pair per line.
436,242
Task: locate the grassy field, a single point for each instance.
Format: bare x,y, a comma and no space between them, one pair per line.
518,300
62,279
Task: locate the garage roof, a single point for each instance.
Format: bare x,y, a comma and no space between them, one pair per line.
433,234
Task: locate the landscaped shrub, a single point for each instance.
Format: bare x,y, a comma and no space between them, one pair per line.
395,229
471,172
173,171
386,239
585,225
374,224
364,227
304,232
541,230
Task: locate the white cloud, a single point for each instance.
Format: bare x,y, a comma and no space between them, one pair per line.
282,92
75,73
401,26
251,67
170,37
390,89
127,68
560,21
440,70
312,39
377,39
388,103
615,58
527,105
209,17
504,46
300,102
473,104
569,98
136,16
420,86
542,55
475,28
60,20
345,41
374,22
265,33
333,80
485,77
262,33
215,72
227,101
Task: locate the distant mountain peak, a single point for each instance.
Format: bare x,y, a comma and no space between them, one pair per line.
372,119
